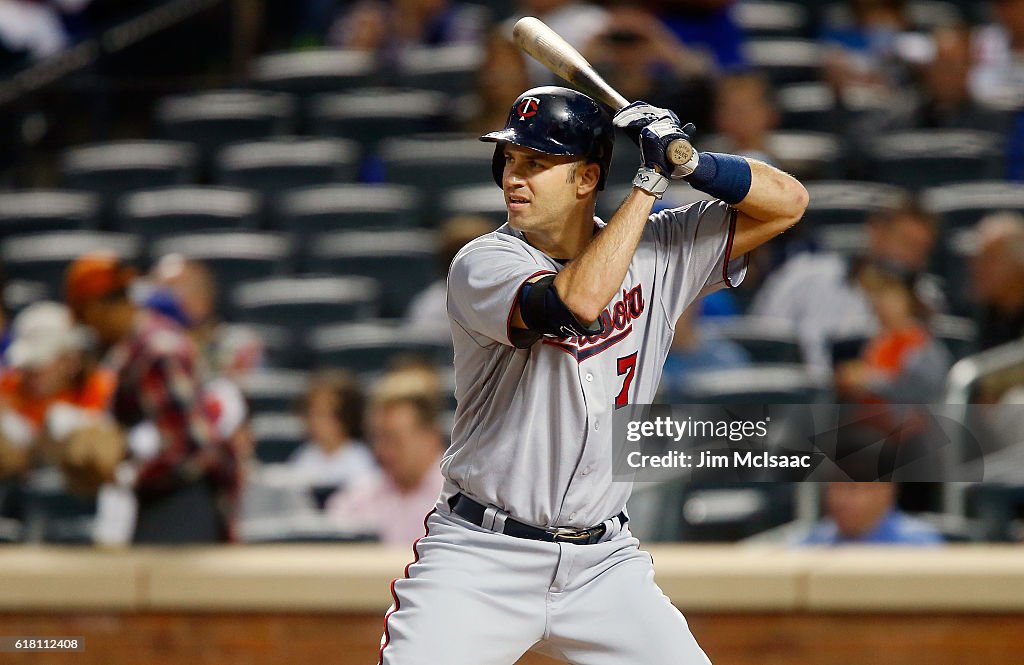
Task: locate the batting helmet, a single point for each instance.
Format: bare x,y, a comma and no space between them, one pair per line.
556,121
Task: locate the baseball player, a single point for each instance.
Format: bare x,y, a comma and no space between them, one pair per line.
557,319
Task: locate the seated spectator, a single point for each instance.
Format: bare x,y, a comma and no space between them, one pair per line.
428,311
903,363
997,277
407,441
642,59
334,456
187,292
998,74
745,115
866,514
48,392
817,294
693,351
865,54
385,28
185,476
501,78
705,24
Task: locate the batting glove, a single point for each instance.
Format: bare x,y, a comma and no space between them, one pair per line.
633,118
654,141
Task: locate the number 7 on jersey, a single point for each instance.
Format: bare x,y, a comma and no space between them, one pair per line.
625,366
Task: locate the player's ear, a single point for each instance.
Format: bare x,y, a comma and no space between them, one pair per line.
587,176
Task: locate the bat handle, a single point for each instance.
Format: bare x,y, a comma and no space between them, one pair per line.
679,152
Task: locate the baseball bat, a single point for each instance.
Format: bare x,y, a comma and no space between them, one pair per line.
549,49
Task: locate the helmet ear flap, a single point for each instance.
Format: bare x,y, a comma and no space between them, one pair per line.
498,164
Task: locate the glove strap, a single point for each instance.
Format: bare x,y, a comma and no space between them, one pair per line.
651,181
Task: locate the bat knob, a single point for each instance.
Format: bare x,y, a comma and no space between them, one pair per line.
680,152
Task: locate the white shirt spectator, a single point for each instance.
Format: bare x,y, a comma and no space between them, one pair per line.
344,467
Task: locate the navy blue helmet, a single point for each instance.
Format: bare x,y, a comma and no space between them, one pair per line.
556,121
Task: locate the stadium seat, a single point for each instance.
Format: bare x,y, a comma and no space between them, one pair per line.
922,158
436,163
770,18
369,348
719,512
765,340
277,436
959,334
963,205
214,119
304,301
484,200
274,390
155,213
307,73
116,167
922,15
53,515
807,155
374,114
282,347
448,69
403,262
809,107
233,257
786,61
45,210
307,211
848,201
273,166
763,384
44,257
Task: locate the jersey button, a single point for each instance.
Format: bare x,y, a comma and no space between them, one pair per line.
587,470
590,377
572,516
597,426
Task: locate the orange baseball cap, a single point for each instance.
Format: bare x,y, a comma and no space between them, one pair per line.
94,276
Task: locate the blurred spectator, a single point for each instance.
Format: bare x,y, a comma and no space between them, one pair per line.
387,27
745,115
903,362
407,441
185,473
866,52
997,276
998,75
577,22
48,392
942,100
694,350
335,455
428,311
866,514
642,59
818,294
187,292
706,24
501,78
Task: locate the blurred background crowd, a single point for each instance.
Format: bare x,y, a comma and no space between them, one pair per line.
225,227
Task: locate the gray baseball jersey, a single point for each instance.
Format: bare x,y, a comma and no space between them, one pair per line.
532,431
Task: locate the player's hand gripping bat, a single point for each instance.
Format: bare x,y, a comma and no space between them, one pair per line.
550,50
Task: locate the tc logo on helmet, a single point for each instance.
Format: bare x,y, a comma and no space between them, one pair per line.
527,108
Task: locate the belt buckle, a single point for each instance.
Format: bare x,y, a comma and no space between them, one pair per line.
564,534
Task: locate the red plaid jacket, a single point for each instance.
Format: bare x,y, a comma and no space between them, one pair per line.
159,382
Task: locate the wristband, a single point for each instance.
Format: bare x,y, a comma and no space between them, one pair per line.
651,181
725,177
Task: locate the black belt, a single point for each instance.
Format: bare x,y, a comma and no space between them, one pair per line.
470,510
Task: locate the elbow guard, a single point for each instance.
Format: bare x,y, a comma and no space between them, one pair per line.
545,313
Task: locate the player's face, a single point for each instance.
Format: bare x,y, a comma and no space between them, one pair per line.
543,190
